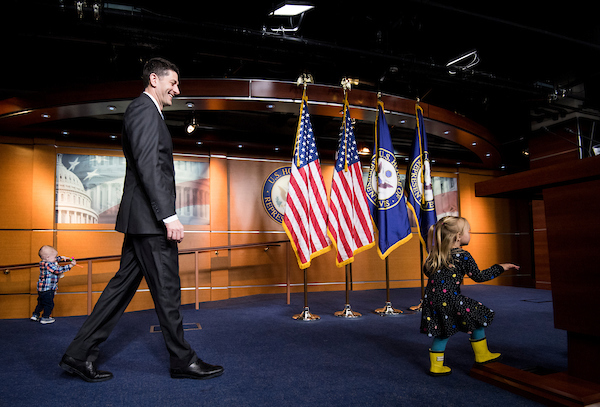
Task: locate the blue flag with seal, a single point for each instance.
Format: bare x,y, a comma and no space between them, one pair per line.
418,181
384,192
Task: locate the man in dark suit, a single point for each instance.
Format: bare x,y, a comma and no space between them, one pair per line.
152,230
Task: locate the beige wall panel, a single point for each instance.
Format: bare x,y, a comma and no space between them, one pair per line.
203,295
40,238
247,179
490,249
76,279
16,246
187,270
17,281
486,215
255,266
187,262
219,190
219,221
194,239
89,243
16,177
14,306
141,300
43,187
256,276
256,255
235,292
67,304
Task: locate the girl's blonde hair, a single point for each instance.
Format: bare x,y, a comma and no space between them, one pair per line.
441,239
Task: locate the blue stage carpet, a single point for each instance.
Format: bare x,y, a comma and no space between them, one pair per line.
271,359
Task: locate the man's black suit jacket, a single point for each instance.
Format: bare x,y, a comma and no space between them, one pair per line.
149,190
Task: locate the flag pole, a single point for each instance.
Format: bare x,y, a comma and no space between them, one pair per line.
388,310
420,304
347,311
306,315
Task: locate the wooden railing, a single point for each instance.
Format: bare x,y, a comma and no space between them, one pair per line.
195,252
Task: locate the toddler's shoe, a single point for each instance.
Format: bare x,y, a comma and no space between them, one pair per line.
35,317
48,320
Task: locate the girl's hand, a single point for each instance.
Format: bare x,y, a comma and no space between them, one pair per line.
509,266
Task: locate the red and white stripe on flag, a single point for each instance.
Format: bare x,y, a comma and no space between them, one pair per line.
305,220
349,220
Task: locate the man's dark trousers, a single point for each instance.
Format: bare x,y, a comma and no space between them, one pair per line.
156,259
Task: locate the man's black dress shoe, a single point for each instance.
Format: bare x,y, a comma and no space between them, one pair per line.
84,369
197,370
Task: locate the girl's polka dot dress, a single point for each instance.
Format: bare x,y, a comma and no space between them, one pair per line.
445,310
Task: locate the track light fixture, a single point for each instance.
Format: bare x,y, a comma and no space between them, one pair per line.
463,62
292,12
191,125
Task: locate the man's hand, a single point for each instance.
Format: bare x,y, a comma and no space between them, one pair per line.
174,230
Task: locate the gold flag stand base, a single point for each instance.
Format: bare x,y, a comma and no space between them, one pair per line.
388,310
348,313
418,307
306,316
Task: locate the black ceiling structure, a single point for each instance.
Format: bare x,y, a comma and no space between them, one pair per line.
537,63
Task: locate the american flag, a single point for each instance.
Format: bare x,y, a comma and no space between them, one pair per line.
305,220
349,221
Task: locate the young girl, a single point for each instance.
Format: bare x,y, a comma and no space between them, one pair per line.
445,310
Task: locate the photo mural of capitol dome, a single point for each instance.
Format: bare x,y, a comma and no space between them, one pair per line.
89,189
73,203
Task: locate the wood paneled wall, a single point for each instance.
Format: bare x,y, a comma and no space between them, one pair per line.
500,232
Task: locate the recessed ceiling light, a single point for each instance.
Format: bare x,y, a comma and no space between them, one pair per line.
111,108
64,133
446,132
276,148
113,136
474,143
488,154
190,104
198,142
240,146
45,115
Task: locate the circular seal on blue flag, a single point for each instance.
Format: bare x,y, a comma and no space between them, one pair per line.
416,179
420,183
384,188
274,193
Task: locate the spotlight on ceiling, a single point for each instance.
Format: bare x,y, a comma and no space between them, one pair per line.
191,125
364,151
287,17
463,62
291,9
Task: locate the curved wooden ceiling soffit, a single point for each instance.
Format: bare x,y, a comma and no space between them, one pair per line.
252,96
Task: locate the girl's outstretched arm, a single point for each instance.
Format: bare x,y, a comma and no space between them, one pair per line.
510,266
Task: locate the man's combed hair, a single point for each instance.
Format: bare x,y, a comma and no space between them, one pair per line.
160,67
442,237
